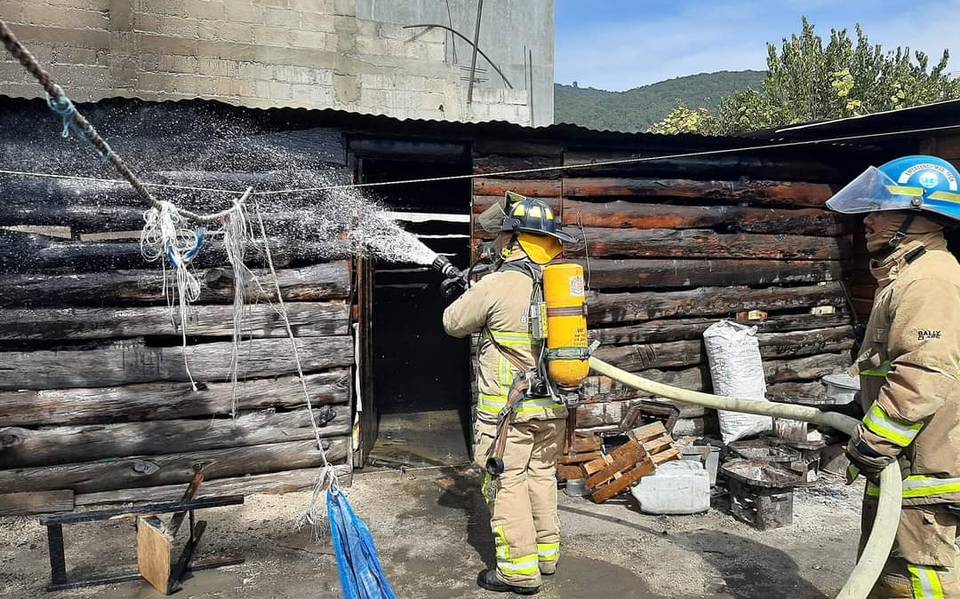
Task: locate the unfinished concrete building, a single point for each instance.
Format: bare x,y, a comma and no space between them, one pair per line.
406,59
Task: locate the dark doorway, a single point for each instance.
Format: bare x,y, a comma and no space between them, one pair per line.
419,383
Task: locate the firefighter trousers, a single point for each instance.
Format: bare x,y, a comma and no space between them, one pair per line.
922,563
523,500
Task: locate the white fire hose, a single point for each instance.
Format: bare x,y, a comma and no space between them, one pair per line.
867,570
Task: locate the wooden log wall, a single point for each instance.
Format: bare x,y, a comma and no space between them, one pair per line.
670,248
94,391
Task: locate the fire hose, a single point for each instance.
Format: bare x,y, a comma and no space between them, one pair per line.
878,546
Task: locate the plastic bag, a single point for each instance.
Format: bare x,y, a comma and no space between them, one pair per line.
737,371
361,576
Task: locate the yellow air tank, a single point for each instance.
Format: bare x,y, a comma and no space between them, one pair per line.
566,300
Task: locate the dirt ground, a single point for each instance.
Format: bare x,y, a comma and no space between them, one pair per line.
431,530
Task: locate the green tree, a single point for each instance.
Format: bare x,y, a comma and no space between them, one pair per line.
683,119
811,80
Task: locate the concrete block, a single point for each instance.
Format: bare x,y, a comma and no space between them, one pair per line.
217,67
255,70
172,8
239,11
146,22
177,27
230,86
208,30
37,13
58,36
236,32
101,5
280,90
173,63
230,51
324,6
154,81
273,3
269,35
323,76
214,10
308,39
149,61
281,17
206,86
70,55
294,74
163,44
317,21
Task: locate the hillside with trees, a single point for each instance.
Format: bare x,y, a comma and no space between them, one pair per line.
812,79
639,108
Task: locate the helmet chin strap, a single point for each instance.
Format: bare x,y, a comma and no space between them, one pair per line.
902,231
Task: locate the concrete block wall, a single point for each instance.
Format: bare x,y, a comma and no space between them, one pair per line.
256,53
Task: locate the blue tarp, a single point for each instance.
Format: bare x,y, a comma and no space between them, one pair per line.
361,575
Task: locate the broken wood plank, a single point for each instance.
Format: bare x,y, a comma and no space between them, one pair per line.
706,301
166,401
176,468
286,481
36,502
763,193
127,363
44,446
653,273
634,215
153,553
705,243
309,284
307,319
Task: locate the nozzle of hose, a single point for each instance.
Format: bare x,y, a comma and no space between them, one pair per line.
448,270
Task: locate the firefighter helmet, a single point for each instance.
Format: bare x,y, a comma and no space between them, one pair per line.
925,183
535,226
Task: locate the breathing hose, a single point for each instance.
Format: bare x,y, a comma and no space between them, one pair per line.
875,553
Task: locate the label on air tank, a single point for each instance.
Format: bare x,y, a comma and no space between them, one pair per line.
576,287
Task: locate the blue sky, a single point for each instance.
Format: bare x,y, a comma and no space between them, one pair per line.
620,44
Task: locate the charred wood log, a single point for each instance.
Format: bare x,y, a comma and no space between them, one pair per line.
653,273
623,214
273,482
309,284
763,193
535,188
26,253
127,363
708,301
166,401
693,328
307,319
704,243
758,167
175,468
48,445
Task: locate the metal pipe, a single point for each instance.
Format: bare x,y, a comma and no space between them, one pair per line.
878,546
473,57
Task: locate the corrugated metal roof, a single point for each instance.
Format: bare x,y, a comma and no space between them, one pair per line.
937,114
383,124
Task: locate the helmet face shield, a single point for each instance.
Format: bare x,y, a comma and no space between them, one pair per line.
873,191
491,219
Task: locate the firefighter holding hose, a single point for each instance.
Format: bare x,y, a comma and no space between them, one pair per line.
521,421
909,366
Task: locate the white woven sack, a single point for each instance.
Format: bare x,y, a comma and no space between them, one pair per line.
737,371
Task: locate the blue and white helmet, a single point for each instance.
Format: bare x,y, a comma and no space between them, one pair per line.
913,182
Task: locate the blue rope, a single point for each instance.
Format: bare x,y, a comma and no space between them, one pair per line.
65,109
191,253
